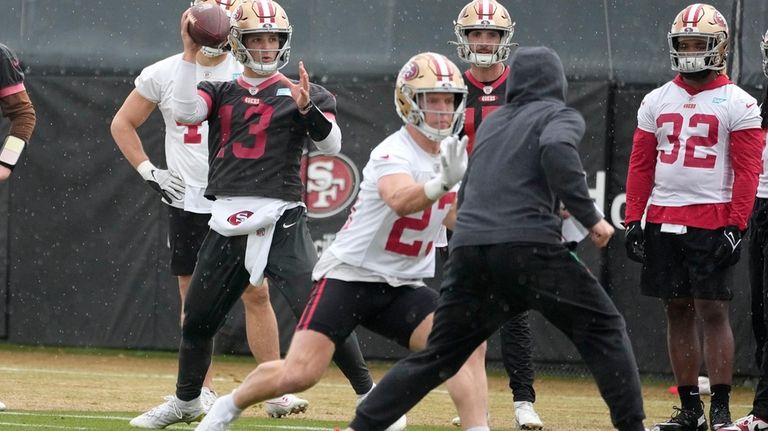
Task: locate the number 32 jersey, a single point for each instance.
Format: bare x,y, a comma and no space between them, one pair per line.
692,131
256,137
375,237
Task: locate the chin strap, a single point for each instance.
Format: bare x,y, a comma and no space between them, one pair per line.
11,150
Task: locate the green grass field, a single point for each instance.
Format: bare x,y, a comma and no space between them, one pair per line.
100,389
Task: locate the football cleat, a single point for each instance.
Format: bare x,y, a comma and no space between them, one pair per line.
288,404
207,398
526,417
683,420
398,425
165,414
748,423
719,417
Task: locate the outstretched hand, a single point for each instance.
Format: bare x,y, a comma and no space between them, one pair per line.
300,91
453,159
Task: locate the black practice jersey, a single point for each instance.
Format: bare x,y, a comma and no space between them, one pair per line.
256,137
11,75
482,99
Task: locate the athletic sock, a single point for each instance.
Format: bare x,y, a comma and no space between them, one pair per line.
721,394
225,409
689,397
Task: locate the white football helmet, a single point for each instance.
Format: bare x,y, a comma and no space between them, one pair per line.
228,6
260,16
704,21
484,15
429,73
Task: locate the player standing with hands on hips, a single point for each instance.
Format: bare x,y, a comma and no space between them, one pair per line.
696,159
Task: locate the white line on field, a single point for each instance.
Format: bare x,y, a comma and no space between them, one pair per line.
42,426
123,418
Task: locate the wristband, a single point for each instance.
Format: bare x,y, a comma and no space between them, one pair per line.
303,110
12,148
435,189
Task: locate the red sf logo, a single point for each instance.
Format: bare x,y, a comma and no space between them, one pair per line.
239,217
332,183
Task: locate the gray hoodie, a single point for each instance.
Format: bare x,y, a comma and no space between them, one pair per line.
525,157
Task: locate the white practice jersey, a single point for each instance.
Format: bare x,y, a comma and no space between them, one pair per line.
762,186
374,237
693,135
186,146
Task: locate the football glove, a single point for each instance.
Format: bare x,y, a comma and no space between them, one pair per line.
634,241
168,184
453,164
727,251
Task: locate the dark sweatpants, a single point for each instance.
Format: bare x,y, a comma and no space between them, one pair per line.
758,280
486,285
517,356
220,279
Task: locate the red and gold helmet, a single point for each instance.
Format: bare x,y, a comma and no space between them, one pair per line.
228,6
702,21
484,15
429,73
260,16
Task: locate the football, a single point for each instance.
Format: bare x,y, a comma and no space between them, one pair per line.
208,24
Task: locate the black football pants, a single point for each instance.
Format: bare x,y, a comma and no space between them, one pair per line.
758,280
486,285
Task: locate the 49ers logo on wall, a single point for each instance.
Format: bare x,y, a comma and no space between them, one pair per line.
332,183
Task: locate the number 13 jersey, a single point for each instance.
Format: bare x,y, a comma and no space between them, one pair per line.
256,137
375,237
692,129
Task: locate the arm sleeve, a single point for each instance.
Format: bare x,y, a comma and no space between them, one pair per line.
746,159
320,121
560,160
18,108
642,167
188,106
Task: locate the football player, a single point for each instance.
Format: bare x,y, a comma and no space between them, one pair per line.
484,30
695,160
181,187
372,273
258,125
16,106
758,276
507,253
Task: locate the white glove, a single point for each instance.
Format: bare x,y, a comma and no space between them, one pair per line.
453,164
167,183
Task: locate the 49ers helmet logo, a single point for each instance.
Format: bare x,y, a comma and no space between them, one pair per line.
332,183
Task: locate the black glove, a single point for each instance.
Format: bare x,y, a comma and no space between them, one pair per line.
727,251
635,242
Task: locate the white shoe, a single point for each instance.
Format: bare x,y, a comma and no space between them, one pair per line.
286,405
398,425
2,406
457,420
167,413
219,417
526,417
207,398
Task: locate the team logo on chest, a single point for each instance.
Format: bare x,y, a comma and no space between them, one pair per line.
332,183
251,100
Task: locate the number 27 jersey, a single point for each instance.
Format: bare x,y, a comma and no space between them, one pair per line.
692,131
374,236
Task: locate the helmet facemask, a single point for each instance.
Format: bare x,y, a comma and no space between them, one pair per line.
419,110
483,15
266,17
764,53
712,58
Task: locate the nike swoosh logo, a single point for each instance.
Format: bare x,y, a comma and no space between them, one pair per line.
749,105
287,225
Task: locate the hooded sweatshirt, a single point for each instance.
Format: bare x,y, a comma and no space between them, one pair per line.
525,157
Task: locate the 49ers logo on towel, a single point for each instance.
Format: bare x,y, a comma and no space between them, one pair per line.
331,181
239,217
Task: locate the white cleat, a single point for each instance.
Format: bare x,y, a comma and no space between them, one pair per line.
398,425
526,417
207,398
168,413
2,406
288,404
